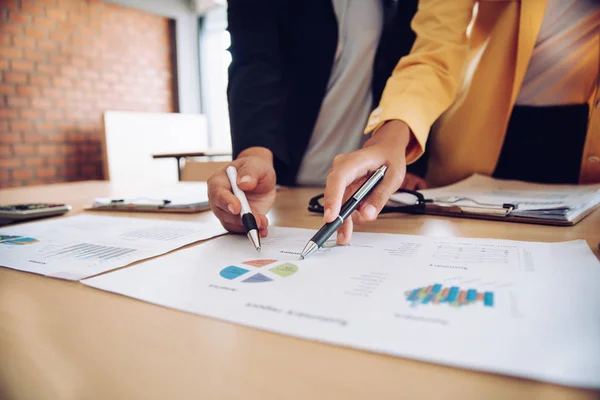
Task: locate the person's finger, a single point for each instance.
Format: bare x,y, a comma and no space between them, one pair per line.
254,174
224,199
232,223
377,199
421,184
345,170
344,233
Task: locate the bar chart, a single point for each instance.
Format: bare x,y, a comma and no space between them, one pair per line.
455,296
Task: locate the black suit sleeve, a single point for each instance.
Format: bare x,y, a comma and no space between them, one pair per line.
256,90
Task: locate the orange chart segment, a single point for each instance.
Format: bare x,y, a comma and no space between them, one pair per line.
259,263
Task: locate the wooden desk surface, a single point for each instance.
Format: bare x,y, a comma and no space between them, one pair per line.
63,340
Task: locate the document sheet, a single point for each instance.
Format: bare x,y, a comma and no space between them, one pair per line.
81,246
556,202
518,308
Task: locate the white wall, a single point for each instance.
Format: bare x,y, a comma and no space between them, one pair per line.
186,42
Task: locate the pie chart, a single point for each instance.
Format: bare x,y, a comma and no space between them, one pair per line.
256,271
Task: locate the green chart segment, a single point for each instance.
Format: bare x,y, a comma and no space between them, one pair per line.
249,272
437,294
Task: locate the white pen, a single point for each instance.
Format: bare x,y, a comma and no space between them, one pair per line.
248,219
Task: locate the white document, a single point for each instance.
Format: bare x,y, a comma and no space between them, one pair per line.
81,246
558,202
524,309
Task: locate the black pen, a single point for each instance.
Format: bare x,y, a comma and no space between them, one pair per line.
350,205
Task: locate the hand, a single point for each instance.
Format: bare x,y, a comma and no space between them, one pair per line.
256,177
413,182
386,147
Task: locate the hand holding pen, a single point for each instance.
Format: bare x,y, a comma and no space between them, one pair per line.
256,178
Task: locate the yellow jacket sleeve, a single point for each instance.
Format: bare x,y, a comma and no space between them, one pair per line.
424,83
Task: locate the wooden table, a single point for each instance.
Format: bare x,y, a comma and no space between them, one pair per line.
63,340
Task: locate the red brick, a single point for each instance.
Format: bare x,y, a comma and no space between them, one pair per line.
10,162
10,52
11,138
33,55
47,69
11,5
23,149
24,42
41,103
47,45
7,89
3,64
60,36
45,172
61,82
3,130
5,150
47,2
43,22
15,77
20,126
27,90
78,18
56,14
18,18
39,80
18,102
59,59
30,8
32,137
13,29
31,114
21,66
8,113
33,161
35,32
48,149
22,173
51,92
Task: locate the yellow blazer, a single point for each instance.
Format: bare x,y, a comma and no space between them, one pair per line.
478,76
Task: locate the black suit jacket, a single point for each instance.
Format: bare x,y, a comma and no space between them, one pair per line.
282,56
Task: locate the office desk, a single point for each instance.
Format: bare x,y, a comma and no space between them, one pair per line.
63,340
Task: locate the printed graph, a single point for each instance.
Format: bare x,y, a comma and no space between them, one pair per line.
87,251
454,296
16,240
255,271
473,253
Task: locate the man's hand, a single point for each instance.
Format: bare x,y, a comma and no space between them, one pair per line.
349,171
256,177
413,182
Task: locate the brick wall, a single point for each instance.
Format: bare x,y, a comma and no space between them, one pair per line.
63,63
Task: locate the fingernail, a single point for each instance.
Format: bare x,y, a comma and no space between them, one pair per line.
340,238
370,211
245,179
230,208
327,214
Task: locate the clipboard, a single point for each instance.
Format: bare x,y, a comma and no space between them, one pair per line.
143,204
486,198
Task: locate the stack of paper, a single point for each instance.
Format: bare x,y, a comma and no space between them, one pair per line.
78,247
550,202
525,309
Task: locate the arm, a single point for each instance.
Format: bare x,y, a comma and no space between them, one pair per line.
256,89
424,83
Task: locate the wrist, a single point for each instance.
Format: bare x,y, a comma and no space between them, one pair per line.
260,152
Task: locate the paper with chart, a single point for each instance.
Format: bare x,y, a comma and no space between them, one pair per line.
81,246
556,202
525,309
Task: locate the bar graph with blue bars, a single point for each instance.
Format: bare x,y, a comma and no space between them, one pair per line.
452,295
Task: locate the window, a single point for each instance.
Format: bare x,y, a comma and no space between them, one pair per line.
214,61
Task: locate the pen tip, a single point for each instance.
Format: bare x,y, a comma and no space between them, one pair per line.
258,249
301,257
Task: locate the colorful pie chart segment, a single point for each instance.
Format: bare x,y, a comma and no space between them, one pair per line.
249,273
